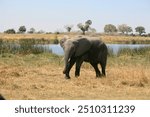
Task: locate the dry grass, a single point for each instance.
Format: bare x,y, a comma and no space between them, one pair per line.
38,77
105,38
125,39
27,36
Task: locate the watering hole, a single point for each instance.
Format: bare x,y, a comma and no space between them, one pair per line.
56,49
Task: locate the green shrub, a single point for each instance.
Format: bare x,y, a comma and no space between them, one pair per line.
29,46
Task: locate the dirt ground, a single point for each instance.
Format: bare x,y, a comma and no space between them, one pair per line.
38,78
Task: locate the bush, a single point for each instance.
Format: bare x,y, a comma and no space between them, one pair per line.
22,29
132,52
28,46
10,31
55,41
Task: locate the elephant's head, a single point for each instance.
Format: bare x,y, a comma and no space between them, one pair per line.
63,40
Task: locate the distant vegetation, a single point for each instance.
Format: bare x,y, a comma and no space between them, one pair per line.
10,31
22,29
122,29
68,27
84,27
130,52
25,46
109,28
140,30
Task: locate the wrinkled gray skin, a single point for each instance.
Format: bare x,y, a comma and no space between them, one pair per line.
83,49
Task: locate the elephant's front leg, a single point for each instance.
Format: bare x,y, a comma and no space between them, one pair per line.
69,66
78,66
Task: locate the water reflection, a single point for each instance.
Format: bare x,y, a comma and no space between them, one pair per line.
114,47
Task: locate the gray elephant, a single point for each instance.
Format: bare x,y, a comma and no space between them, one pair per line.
82,49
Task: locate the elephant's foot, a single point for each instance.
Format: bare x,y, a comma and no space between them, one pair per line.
103,75
76,76
98,75
67,76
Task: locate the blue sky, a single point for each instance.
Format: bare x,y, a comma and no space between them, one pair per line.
52,15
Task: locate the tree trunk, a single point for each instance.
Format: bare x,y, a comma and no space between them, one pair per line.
83,33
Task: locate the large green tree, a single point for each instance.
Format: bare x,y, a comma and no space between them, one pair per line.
10,31
110,28
124,28
140,29
22,29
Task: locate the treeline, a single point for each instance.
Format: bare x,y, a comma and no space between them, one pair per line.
22,30
123,29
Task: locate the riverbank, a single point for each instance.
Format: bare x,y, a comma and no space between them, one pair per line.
49,38
39,76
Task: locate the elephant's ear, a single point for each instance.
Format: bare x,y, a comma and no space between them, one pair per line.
81,46
75,43
62,41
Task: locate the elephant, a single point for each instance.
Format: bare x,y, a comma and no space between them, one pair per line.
80,49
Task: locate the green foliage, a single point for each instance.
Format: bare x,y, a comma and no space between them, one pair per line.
57,32
28,46
88,22
1,44
22,29
85,27
110,52
24,46
140,30
31,31
54,41
142,51
124,29
110,28
10,31
133,52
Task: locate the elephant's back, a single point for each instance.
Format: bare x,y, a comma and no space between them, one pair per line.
83,46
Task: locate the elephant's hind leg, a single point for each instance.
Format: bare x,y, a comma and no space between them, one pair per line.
95,65
103,66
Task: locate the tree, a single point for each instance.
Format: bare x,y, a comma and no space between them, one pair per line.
84,27
140,29
68,27
22,29
93,30
31,31
41,32
129,29
110,28
123,28
10,31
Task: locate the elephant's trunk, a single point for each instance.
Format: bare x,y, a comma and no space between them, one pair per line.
68,55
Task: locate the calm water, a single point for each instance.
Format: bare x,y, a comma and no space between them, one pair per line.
114,47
